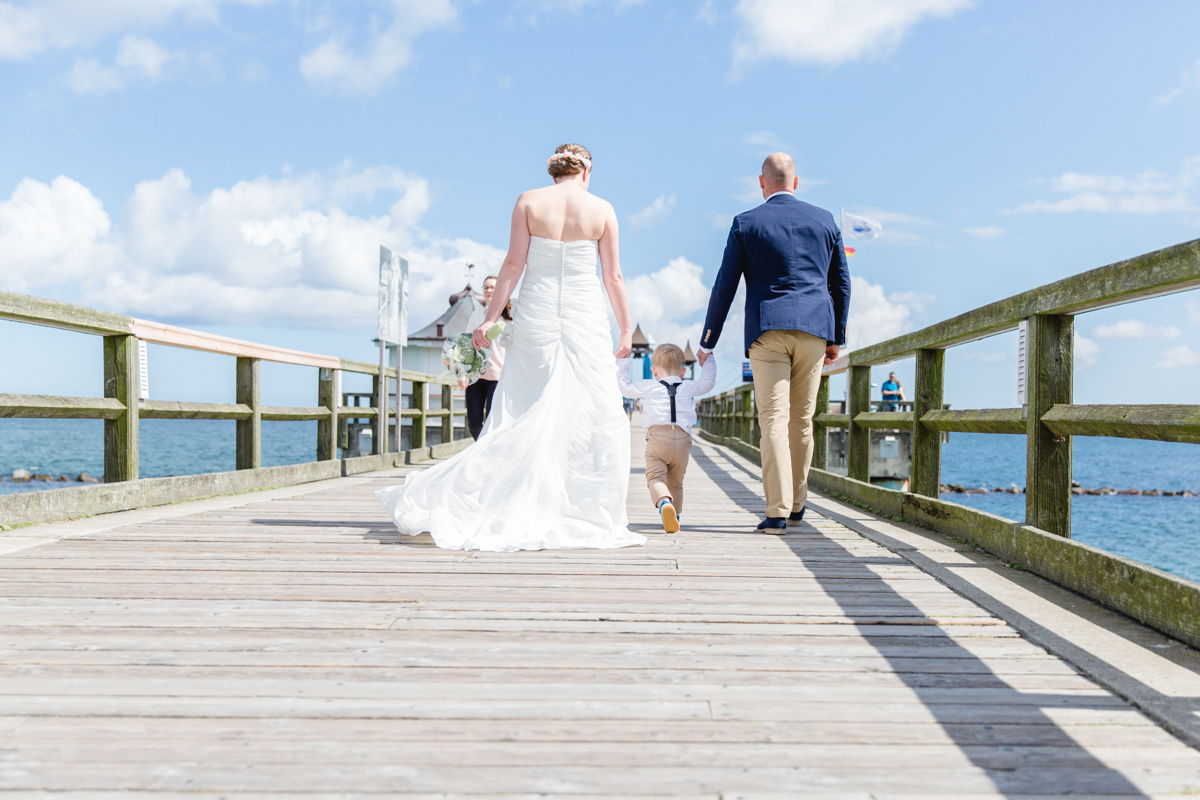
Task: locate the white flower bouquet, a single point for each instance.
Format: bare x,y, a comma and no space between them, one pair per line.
463,362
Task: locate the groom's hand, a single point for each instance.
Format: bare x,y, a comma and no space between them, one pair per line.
831,353
702,356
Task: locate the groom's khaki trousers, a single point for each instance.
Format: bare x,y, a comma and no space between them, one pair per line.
787,375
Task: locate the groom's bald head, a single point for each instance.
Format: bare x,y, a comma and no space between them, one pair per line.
778,174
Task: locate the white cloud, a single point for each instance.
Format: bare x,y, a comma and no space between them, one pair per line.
876,316
1136,329
986,231
52,234
765,140
137,58
1087,352
829,32
1178,357
654,213
1190,79
26,30
269,251
672,293
1152,192
1193,311
994,357
333,65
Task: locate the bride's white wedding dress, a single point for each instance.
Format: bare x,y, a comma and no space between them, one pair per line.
551,468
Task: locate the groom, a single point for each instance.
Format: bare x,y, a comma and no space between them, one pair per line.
797,298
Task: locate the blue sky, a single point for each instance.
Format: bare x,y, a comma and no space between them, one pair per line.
233,165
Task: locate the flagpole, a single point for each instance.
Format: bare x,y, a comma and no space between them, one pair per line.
843,212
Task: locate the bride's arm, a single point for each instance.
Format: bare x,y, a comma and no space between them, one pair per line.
614,282
510,273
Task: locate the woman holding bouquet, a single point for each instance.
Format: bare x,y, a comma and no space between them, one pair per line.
551,468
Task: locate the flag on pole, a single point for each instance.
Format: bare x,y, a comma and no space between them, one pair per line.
856,227
850,252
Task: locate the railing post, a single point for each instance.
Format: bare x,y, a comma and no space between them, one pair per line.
448,407
926,443
121,381
249,430
420,401
1048,457
329,394
820,457
379,393
755,428
858,456
746,424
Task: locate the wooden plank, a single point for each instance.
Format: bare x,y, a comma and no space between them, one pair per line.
1166,271
988,420
249,430
820,457
1048,455
121,382
420,405
887,420
161,333
171,409
832,420
1165,423
301,645
57,314
40,406
329,397
858,456
294,413
927,443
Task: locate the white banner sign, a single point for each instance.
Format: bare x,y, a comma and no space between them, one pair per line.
393,298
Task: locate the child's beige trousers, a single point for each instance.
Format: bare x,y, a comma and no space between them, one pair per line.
667,450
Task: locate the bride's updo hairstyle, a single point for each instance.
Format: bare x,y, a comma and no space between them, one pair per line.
568,159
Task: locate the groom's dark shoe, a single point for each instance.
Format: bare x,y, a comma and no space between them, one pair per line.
796,517
774,525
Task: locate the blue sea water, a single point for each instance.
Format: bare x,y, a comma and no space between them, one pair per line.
1161,531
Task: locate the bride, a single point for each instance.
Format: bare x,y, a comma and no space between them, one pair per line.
551,467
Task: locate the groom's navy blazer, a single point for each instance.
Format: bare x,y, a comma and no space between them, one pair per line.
797,279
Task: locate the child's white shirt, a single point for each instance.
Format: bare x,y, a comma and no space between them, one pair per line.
656,400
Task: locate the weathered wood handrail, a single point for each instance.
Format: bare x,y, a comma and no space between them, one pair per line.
121,409
1049,419
1040,544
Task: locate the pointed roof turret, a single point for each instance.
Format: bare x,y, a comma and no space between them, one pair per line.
641,345
689,357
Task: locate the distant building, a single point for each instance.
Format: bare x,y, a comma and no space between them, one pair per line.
424,350
423,353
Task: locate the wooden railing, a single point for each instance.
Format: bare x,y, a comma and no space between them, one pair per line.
1048,421
121,409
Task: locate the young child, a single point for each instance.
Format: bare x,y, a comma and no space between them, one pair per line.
668,414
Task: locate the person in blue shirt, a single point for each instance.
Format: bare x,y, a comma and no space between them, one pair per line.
892,393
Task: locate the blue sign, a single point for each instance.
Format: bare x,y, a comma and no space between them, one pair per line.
747,375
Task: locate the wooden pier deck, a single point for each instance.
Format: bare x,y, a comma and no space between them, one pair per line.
290,642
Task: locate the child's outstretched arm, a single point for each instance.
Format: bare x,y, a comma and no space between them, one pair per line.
623,383
708,377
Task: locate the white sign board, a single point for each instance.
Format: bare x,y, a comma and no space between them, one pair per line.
143,372
1023,363
393,298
